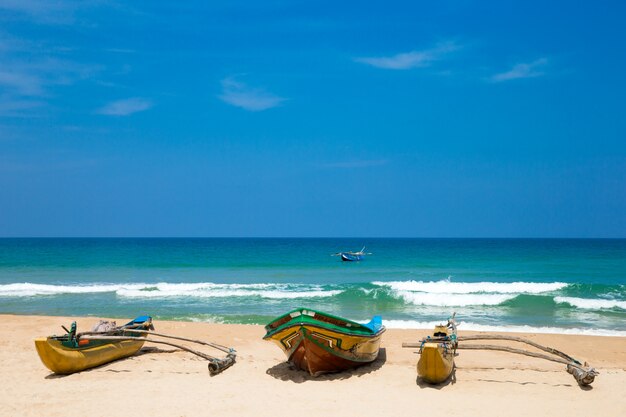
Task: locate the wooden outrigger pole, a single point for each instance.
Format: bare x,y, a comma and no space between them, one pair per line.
216,365
583,373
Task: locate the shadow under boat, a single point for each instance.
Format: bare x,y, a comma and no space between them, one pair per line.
146,350
427,385
289,372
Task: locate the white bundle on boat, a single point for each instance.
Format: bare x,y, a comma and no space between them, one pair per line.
104,326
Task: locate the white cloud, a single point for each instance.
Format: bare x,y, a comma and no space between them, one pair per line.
413,59
125,107
522,70
239,94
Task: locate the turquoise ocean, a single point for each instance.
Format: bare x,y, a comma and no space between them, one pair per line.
573,286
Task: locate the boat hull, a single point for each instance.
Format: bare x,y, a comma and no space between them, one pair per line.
319,343
436,362
64,360
347,257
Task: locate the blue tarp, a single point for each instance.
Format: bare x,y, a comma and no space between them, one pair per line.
139,320
375,324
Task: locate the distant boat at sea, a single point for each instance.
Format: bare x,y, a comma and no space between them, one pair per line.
352,256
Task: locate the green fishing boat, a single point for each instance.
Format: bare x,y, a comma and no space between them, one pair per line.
319,343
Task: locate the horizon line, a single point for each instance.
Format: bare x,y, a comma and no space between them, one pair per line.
322,237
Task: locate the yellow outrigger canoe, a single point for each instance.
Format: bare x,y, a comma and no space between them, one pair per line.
74,353
437,353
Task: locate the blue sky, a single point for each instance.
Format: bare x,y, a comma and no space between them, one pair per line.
291,118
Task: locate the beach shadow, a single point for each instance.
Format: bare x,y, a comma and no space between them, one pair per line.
506,381
426,385
152,349
56,376
95,368
287,372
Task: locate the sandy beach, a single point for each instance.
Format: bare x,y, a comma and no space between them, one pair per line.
160,381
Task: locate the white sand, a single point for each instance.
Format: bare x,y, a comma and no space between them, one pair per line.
174,383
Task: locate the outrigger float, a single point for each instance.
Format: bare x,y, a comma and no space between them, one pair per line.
437,353
75,352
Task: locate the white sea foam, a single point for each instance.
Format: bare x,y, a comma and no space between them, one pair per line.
414,324
27,289
591,303
453,300
223,293
204,319
449,287
164,289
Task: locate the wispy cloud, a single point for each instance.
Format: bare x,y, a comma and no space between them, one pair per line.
522,70
21,83
24,83
412,59
120,50
9,43
239,94
356,164
34,69
31,77
125,107
16,107
47,161
45,11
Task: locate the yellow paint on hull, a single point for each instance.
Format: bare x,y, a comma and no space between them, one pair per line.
436,363
63,360
352,347
318,350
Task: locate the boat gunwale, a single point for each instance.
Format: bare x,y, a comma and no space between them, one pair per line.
359,327
301,324
93,344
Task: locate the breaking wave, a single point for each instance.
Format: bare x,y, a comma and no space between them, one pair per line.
449,287
461,294
168,290
27,289
454,300
591,303
393,295
412,324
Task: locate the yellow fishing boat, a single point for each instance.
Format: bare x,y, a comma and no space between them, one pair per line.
74,352
437,353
